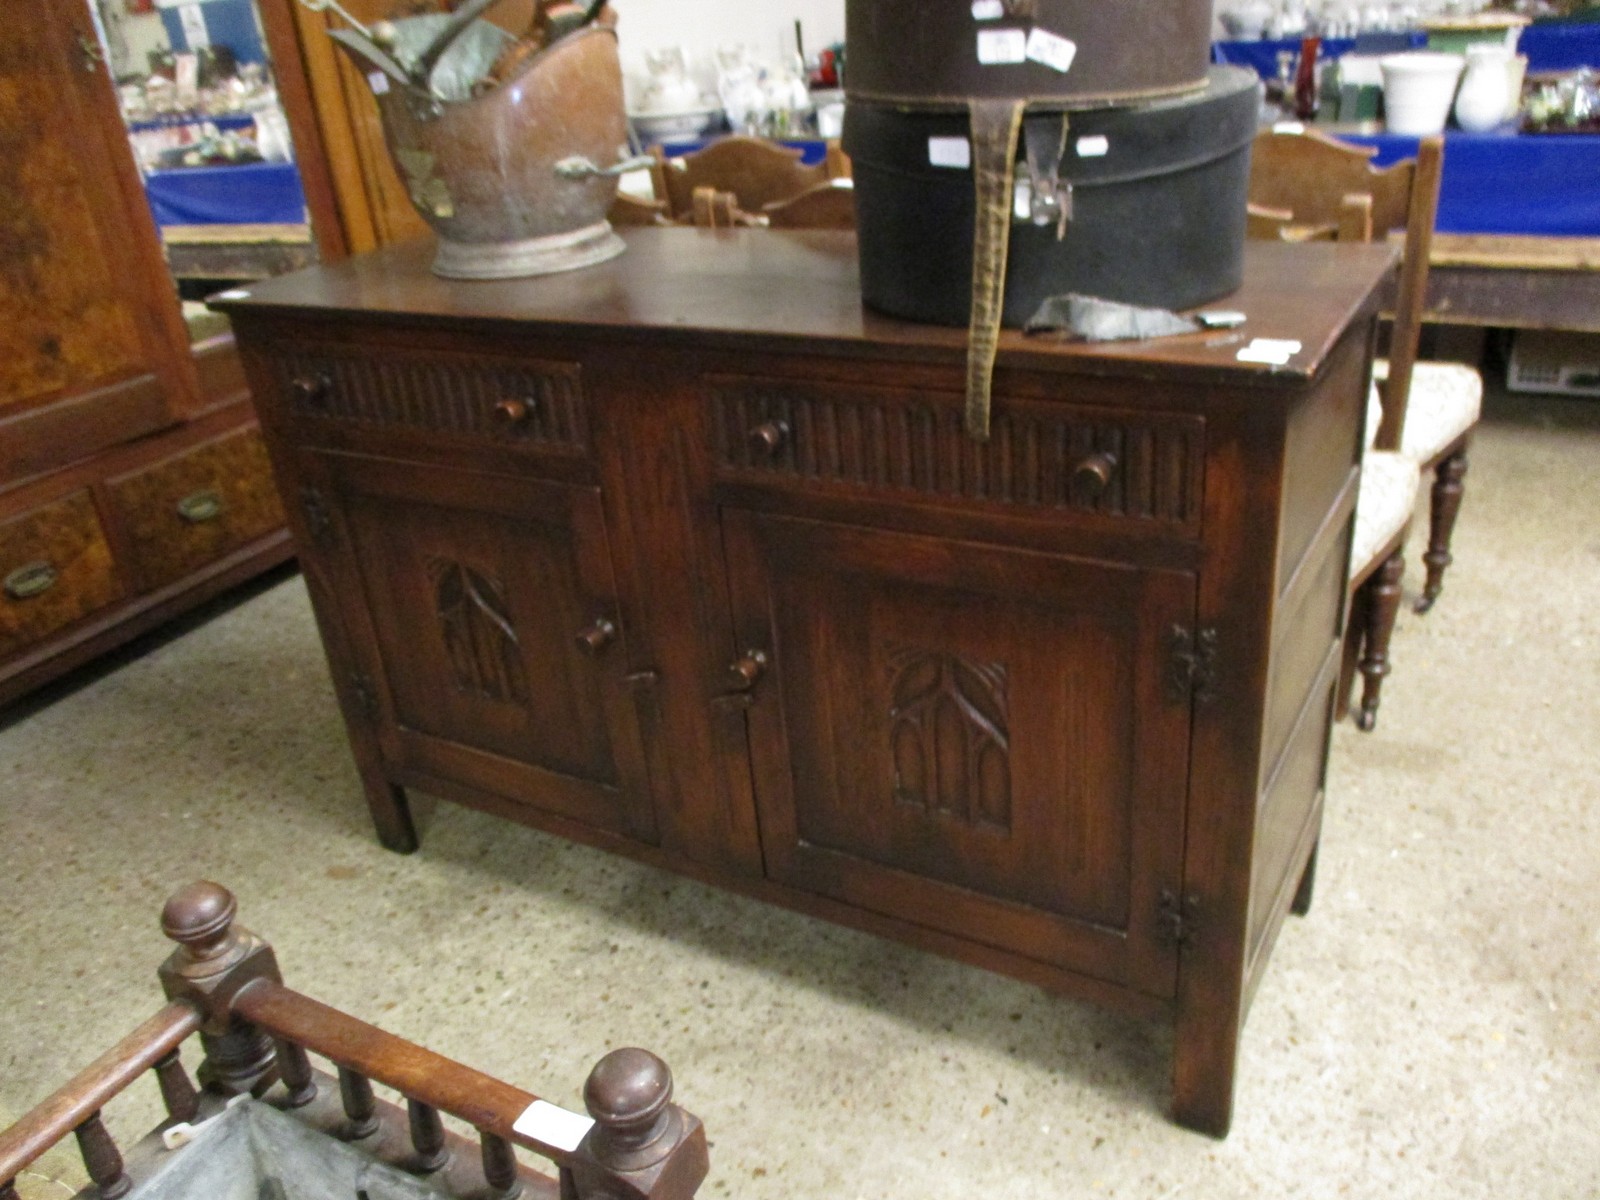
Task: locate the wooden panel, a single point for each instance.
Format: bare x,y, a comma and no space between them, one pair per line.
75,253
57,568
1323,446
979,741
456,395
492,609
182,513
1139,466
1287,803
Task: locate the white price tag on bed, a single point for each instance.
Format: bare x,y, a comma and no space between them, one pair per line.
1274,352
1051,49
996,47
553,1125
953,152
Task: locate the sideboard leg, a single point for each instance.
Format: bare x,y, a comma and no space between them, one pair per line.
1204,1058
1308,879
391,815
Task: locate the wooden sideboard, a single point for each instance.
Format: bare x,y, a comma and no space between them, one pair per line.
688,556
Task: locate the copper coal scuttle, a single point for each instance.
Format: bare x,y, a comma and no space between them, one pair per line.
509,145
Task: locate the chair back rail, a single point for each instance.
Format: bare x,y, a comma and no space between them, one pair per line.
223,984
1307,181
758,172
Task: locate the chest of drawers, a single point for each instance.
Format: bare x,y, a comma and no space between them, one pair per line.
689,557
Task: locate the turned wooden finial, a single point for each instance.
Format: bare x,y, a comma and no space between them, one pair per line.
199,918
628,1095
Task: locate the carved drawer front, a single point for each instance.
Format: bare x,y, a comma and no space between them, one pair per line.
514,403
56,568
186,511
1045,457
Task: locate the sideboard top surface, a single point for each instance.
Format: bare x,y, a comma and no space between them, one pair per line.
800,290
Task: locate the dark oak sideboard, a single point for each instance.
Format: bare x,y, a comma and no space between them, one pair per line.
688,556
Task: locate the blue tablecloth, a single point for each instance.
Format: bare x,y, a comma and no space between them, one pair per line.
1560,46
1554,46
1509,183
252,194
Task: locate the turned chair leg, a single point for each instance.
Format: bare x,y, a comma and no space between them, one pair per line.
1383,600
1447,489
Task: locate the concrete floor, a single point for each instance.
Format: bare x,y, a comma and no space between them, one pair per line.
1429,1031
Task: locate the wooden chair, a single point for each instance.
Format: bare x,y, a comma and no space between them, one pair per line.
757,172
830,205
628,209
1424,410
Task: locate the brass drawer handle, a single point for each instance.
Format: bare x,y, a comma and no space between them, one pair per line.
201,506
311,391
769,437
512,412
1094,472
597,636
30,579
742,675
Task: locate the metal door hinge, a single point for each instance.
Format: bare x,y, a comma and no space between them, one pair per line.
1175,918
1191,664
319,523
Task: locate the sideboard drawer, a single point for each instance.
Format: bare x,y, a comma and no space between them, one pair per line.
56,567
1119,466
511,403
186,511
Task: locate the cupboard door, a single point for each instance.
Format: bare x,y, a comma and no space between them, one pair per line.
490,609
92,345
971,738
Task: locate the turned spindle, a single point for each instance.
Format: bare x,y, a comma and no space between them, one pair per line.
355,1090
500,1166
294,1068
177,1093
102,1159
214,959
427,1136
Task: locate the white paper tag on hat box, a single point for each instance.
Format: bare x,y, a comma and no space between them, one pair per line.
953,152
988,10
1053,50
997,47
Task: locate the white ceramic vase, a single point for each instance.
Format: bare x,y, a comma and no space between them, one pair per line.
1418,87
1484,99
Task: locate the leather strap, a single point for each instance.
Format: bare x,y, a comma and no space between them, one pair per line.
996,125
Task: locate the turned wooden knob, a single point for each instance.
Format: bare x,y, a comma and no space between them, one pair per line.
598,636
769,437
748,669
311,389
513,412
1095,472
627,1094
199,917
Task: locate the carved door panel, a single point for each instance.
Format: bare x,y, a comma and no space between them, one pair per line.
974,739
489,609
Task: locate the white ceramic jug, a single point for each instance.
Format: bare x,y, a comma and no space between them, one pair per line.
1485,97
